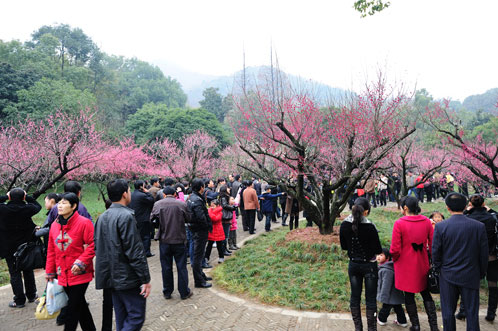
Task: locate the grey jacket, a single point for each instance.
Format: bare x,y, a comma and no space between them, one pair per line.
386,292
120,261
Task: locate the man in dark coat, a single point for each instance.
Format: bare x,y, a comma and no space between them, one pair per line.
120,262
142,202
16,228
200,224
478,211
460,253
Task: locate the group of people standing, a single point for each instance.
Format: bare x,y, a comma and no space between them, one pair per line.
187,219
463,249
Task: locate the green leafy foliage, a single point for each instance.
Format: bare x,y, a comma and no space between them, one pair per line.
213,102
370,7
45,96
159,121
62,67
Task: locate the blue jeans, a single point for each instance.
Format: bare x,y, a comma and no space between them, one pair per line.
129,309
168,252
268,221
190,244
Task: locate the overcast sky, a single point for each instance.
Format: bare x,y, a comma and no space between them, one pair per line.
447,46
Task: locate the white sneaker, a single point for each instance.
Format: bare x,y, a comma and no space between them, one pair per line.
404,325
221,260
381,323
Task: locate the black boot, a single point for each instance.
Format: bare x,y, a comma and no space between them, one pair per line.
356,313
461,315
371,319
492,303
412,313
205,264
430,309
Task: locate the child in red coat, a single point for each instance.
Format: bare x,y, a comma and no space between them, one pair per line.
217,235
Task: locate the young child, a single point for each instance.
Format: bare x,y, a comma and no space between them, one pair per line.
217,235
435,218
387,293
232,237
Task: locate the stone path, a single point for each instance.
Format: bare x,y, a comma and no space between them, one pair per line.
208,309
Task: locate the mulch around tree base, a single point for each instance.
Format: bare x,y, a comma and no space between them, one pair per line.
311,235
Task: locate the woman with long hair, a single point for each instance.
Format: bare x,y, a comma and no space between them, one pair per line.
360,238
412,237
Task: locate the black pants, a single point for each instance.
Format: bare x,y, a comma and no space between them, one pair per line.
107,310
359,272
245,225
178,252
220,246
429,192
200,240
77,309
386,310
144,229
17,284
293,221
226,230
383,197
410,297
251,220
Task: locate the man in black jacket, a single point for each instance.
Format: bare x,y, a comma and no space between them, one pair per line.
16,228
478,211
120,262
142,202
460,253
200,224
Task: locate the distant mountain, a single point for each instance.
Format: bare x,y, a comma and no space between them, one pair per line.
487,101
194,84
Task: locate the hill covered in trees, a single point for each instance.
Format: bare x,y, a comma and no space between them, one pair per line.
62,68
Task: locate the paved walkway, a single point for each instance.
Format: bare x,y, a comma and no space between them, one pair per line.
208,309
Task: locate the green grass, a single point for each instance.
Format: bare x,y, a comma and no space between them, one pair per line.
291,274
90,198
304,276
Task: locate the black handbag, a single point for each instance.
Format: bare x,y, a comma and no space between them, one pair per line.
432,278
30,255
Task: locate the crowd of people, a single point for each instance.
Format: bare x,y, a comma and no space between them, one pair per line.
378,190
463,250
190,219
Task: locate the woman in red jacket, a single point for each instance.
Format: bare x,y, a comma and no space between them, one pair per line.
218,234
69,259
412,236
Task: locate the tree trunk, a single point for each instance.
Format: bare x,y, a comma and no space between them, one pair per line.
327,223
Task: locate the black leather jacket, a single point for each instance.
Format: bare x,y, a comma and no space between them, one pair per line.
120,261
199,216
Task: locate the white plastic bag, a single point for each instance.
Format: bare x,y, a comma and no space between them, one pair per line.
56,297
